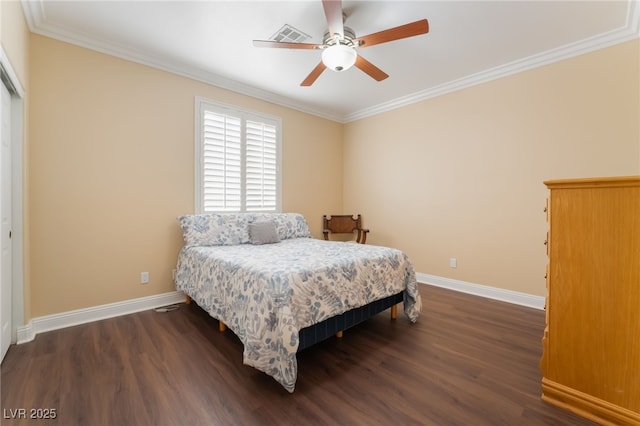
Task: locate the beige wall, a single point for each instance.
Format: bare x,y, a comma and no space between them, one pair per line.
14,36
461,175
112,166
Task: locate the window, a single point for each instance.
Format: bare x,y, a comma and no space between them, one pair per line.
237,160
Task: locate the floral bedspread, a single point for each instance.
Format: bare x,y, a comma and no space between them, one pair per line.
267,293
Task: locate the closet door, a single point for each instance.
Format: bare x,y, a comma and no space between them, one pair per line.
5,223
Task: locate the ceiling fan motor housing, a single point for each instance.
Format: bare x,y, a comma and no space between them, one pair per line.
349,35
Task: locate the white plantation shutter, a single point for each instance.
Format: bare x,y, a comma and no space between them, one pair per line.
221,163
237,164
261,166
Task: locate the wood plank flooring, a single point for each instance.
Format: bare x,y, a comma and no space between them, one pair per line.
467,361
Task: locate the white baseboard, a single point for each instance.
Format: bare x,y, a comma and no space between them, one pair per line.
503,295
37,325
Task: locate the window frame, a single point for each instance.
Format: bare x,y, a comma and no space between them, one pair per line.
202,105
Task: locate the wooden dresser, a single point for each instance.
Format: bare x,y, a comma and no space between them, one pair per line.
591,345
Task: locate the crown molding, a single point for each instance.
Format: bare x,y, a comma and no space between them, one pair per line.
33,13
628,32
36,21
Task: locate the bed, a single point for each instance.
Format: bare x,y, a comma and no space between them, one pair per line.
279,290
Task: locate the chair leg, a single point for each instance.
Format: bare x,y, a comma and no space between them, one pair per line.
187,300
339,334
221,326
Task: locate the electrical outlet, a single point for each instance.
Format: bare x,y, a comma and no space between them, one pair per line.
453,262
144,278
173,274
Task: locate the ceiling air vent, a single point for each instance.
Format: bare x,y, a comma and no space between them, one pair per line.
289,34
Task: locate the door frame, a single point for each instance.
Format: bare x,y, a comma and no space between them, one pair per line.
11,81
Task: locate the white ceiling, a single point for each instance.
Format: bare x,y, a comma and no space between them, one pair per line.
469,42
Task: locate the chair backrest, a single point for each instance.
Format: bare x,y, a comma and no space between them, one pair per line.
344,224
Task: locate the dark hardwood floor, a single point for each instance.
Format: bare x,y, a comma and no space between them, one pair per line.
467,361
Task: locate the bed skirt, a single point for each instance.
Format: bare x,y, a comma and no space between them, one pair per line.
329,327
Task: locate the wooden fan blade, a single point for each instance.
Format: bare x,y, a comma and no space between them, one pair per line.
285,45
313,76
396,33
370,69
333,12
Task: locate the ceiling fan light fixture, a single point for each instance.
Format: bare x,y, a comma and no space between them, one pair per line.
339,57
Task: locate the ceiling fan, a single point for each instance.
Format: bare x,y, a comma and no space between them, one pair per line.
340,43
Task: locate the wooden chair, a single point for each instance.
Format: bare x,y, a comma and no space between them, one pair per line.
344,224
